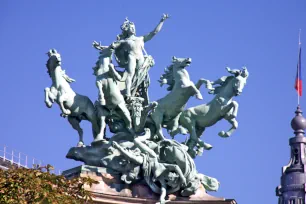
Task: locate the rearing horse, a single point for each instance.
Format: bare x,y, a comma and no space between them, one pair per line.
110,99
196,119
73,105
181,88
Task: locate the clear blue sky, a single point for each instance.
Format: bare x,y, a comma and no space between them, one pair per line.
263,35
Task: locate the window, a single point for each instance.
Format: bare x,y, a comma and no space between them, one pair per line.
296,160
300,201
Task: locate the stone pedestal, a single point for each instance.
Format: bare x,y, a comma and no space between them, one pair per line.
112,190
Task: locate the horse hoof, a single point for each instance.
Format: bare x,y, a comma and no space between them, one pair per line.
67,112
207,146
80,144
200,151
183,131
223,134
63,115
199,96
48,104
100,136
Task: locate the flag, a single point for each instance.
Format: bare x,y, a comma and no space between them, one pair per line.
298,79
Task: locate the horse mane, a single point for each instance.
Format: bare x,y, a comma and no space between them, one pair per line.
102,54
48,70
66,77
167,77
55,57
219,88
48,64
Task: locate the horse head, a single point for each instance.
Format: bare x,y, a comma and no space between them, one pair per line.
54,60
103,61
181,62
240,81
168,76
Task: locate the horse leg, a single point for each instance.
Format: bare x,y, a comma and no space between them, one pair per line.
193,140
194,89
75,123
200,82
187,122
53,94
197,92
157,117
234,124
230,110
126,116
235,109
182,130
229,113
47,99
175,126
201,144
175,132
61,99
102,113
92,117
208,83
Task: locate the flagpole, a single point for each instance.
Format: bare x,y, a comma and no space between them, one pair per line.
298,70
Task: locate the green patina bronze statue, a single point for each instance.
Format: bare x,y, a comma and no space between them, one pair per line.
73,105
138,150
196,119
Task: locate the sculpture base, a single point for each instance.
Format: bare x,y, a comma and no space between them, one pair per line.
112,190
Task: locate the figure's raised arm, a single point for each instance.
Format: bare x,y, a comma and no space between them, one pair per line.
157,28
98,46
115,44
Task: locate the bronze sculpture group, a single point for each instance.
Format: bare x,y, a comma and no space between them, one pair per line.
138,148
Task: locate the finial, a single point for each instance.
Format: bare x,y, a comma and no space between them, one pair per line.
298,123
300,36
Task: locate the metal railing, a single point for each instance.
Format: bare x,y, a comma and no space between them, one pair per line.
11,157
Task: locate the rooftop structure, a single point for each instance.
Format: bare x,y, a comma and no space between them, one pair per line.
10,158
292,189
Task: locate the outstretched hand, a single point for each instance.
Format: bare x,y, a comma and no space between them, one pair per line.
98,46
95,44
164,17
